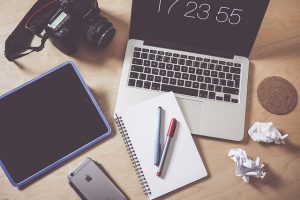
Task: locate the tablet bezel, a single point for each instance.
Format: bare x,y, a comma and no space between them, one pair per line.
73,153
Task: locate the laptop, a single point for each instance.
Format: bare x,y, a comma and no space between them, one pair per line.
197,49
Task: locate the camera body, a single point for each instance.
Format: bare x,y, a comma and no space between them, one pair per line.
76,19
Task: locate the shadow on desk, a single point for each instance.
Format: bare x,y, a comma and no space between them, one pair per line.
282,47
22,67
272,179
251,90
289,146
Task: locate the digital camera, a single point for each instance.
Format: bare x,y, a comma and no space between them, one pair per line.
76,19
64,22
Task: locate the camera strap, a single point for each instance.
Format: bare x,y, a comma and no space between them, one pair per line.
15,54
18,43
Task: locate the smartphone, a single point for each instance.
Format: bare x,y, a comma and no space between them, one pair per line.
91,182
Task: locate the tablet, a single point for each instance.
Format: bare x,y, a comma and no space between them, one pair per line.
46,121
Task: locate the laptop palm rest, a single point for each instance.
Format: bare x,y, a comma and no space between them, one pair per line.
207,119
192,111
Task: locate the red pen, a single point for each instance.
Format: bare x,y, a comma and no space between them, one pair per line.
170,134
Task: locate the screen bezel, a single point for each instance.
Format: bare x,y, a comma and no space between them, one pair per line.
75,151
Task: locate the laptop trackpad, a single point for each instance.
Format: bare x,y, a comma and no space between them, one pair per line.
192,111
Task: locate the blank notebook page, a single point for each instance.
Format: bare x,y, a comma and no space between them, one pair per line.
183,163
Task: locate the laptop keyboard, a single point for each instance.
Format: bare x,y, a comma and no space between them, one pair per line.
183,74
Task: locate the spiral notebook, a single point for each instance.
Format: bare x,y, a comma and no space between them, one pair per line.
183,162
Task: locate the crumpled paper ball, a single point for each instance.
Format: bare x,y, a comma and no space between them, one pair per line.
245,167
266,132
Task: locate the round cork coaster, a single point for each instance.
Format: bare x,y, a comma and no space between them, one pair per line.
277,95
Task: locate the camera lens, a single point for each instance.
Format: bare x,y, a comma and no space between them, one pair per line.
72,174
100,32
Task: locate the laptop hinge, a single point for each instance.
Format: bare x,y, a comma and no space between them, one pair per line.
182,47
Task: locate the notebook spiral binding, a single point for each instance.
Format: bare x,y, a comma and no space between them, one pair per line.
132,156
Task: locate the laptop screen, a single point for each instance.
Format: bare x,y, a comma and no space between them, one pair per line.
227,26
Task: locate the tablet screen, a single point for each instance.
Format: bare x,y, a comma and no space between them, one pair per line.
46,121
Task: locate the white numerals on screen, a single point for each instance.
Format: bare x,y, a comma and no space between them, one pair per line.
193,7
205,8
159,5
222,15
234,18
203,11
172,5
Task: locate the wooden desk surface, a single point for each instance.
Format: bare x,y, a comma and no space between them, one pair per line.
276,52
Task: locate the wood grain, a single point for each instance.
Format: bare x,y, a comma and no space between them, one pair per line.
276,53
